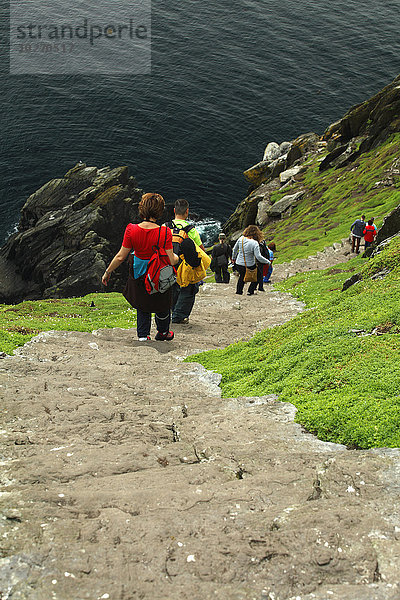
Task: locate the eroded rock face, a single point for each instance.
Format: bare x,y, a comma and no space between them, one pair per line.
390,226
278,209
272,151
68,232
375,119
247,212
362,128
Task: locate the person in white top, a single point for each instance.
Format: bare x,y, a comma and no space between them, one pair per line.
245,252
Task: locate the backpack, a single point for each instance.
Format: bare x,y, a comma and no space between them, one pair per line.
193,273
160,275
179,233
264,249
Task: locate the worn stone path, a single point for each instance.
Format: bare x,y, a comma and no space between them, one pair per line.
125,475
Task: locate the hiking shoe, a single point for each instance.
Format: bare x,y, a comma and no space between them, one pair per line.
184,321
145,339
161,337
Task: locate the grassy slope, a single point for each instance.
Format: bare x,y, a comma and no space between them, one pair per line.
333,201
345,386
20,323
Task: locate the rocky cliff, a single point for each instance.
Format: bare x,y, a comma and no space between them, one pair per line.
69,230
363,127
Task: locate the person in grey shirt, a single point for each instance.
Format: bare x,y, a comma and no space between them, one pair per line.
245,252
357,230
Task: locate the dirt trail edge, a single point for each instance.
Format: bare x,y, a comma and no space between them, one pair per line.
125,475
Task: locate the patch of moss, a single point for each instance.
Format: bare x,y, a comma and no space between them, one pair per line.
104,197
21,322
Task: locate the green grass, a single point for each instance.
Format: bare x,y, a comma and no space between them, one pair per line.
21,322
346,386
333,200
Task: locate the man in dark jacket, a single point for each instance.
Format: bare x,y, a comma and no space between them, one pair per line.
221,255
357,230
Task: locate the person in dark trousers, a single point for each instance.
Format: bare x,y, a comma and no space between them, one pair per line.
220,257
357,230
245,253
141,239
271,249
183,298
369,233
260,269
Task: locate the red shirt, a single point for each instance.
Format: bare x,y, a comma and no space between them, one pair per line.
369,233
143,240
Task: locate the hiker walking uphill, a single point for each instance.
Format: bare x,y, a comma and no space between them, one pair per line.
369,233
183,296
220,257
142,239
357,230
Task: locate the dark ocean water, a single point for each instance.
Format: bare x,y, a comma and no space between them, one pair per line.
227,77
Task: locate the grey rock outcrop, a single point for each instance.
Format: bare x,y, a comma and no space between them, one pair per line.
374,120
68,231
262,213
363,127
390,226
351,281
287,175
272,151
273,163
247,211
281,207
280,165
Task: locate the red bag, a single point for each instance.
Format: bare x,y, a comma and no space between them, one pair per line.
160,274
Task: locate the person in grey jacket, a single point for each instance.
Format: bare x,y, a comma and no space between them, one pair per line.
357,230
245,252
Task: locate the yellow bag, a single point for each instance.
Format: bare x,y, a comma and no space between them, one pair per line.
186,274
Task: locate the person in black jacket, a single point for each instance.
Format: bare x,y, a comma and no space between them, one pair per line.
220,257
357,230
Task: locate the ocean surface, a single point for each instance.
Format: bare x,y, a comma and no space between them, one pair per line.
227,77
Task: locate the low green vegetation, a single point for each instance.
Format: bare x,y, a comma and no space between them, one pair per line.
21,322
333,200
337,362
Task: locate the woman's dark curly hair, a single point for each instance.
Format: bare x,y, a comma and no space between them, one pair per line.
151,206
253,232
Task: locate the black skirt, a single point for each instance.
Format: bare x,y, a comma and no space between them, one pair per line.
138,297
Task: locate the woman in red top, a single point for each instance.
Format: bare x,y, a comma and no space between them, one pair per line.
141,238
369,233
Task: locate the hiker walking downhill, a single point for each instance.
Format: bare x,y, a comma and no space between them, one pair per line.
142,238
183,297
268,269
245,253
357,230
220,257
259,284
